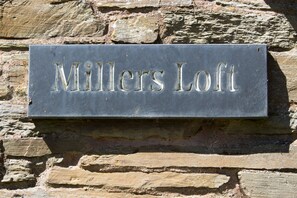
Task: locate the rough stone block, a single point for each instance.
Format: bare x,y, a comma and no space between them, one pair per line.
4,91
17,170
14,73
125,3
293,115
148,162
26,147
136,181
263,5
43,19
39,192
23,44
268,184
10,125
7,109
139,3
219,25
139,29
182,3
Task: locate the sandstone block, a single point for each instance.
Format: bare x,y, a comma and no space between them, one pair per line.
135,181
43,19
14,128
41,192
139,29
17,170
24,43
270,5
139,3
4,91
293,115
14,72
125,3
27,147
268,184
149,162
218,25
10,124
182,3
11,110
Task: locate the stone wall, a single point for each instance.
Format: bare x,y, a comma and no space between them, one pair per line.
148,158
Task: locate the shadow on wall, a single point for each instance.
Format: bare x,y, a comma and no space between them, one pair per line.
288,8
208,136
278,98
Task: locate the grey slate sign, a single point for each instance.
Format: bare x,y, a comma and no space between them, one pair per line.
148,81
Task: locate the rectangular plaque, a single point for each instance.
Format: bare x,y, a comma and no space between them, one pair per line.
148,81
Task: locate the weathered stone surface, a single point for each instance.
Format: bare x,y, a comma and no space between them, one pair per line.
14,73
139,29
4,91
26,147
222,26
136,181
149,162
40,192
38,18
17,170
293,115
10,110
10,123
24,43
139,3
268,184
14,128
175,3
125,3
265,5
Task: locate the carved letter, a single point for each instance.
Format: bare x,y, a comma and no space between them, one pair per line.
180,77
140,80
88,73
74,71
122,87
231,80
111,76
99,86
207,81
218,85
157,81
